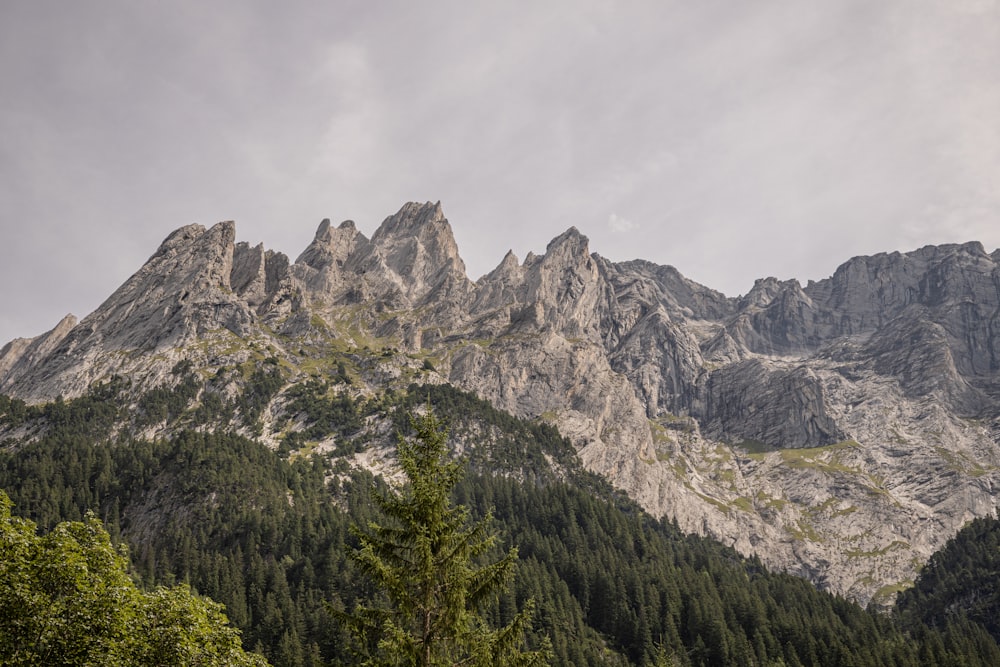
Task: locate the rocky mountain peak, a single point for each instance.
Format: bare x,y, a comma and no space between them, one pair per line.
802,424
570,243
665,285
413,254
182,291
193,266
499,290
332,246
974,248
871,290
258,274
507,264
508,271
179,238
196,244
410,219
323,266
418,234
764,291
568,286
19,355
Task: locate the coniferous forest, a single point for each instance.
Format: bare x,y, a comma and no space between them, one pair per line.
267,533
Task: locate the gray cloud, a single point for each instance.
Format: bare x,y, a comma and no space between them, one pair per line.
744,139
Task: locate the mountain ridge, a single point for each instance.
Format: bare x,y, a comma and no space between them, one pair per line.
841,430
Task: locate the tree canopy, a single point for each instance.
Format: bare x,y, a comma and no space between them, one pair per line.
423,556
66,599
267,534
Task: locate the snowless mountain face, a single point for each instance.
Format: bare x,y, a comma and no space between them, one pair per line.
841,431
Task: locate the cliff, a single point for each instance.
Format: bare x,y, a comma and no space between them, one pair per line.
842,430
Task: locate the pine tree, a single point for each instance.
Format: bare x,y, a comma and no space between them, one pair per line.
423,558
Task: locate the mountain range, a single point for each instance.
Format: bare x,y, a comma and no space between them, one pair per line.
841,431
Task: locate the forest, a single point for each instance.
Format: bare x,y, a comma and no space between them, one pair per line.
267,533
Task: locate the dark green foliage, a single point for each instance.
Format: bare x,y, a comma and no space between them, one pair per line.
13,411
91,415
260,388
182,368
66,599
424,556
648,589
212,410
98,413
220,512
515,446
960,582
167,404
342,375
269,538
325,413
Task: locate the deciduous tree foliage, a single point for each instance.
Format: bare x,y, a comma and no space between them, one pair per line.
422,555
267,535
66,599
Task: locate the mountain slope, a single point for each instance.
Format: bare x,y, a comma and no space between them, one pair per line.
962,580
266,533
842,430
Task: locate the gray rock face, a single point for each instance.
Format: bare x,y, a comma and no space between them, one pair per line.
260,277
181,294
774,407
20,355
410,268
416,250
321,266
841,431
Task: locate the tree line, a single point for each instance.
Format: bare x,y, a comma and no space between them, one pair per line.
268,535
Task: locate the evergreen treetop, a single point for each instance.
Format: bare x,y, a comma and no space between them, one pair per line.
423,556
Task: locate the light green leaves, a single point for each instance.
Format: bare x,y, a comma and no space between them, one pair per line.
66,599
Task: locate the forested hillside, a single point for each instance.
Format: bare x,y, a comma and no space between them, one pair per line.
962,581
67,600
821,428
265,532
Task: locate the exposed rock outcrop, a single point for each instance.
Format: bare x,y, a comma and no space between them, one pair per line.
769,406
842,430
21,354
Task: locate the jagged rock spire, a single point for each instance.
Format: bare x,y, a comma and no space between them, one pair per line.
887,373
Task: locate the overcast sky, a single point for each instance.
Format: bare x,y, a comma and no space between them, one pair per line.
734,140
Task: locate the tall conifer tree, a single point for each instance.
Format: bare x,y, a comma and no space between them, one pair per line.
423,557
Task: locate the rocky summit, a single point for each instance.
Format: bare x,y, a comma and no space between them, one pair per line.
842,431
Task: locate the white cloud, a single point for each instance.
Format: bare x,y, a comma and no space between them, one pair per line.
619,225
